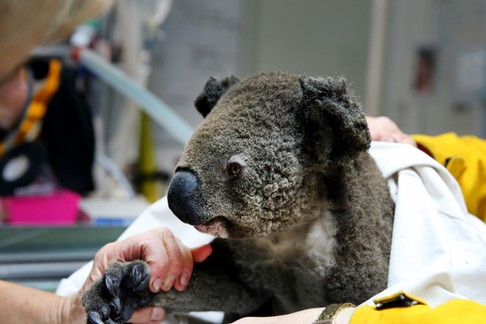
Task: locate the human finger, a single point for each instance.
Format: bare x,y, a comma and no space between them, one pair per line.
200,254
382,128
407,140
148,315
169,263
196,255
184,274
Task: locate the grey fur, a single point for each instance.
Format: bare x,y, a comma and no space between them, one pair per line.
279,169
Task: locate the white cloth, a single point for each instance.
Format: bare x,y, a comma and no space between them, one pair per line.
438,250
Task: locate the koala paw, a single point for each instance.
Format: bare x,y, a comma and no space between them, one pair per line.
124,288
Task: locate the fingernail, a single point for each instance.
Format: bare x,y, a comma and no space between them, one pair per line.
184,279
156,285
168,283
158,314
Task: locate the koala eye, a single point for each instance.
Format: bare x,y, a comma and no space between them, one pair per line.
235,166
233,169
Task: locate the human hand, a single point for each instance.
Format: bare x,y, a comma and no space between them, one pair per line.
170,261
384,129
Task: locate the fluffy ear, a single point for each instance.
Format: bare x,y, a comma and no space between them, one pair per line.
330,98
213,90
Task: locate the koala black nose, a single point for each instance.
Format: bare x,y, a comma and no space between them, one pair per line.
182,196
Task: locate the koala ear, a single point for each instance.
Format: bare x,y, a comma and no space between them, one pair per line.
213,90
333,101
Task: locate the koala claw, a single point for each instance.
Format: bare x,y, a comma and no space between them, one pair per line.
94,318
140,278
124,288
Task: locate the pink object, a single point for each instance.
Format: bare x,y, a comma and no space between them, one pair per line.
58,208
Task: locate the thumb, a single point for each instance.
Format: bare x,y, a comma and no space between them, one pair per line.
201,253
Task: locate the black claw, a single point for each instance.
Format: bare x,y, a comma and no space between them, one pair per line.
115,309
127,313
140,278
112,284
94,318
137,273
123,289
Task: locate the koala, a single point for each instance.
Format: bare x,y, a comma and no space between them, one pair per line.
279,172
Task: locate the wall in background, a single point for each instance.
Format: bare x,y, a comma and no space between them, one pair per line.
200,39
221,37
311,37
436,66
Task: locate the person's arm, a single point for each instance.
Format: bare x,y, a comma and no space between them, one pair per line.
20,304
171,266
307,316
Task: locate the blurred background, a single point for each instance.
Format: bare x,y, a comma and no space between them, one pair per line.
420,62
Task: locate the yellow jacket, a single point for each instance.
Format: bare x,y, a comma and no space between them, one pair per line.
413,310
465,158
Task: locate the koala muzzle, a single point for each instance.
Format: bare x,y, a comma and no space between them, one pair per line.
182,197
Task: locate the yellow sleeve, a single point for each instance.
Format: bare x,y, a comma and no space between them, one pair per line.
452,312
465,158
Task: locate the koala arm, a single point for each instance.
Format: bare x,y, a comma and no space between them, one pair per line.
216,284
246,275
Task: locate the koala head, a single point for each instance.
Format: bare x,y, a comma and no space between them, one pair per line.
258,162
